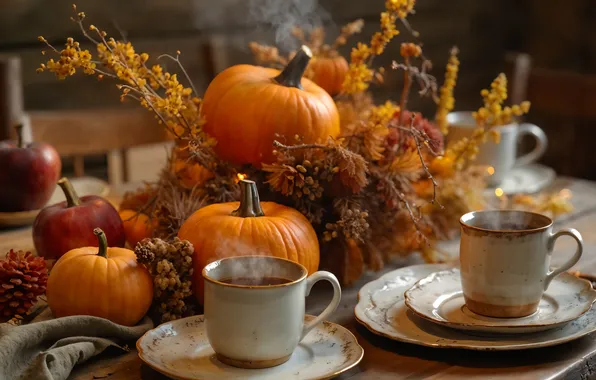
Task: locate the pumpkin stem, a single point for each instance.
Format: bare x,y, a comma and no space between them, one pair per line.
19,129
102,242
250,205
292,74
72,199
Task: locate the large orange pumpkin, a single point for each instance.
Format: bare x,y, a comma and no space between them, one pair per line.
329,73
102,282
247,107
249,227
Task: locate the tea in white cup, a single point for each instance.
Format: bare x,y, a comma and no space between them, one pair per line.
254,308
505,260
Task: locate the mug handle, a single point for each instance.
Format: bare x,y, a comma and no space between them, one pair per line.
572,261
310,281
541,143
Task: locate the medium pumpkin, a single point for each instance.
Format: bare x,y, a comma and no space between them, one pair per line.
137,226
102,282
188,172
249,227
247,107
329,73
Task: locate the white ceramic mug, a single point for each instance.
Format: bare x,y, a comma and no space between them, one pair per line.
259,326
505,260
502,157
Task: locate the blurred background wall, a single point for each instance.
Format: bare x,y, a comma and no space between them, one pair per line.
213,34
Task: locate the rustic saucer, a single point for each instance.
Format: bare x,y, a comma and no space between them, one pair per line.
439,299
82,185
527,179
381,309
181,350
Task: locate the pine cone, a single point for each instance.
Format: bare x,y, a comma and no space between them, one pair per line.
170,265
23,277
144,253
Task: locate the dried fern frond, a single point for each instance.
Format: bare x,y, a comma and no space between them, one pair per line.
407,163
352,167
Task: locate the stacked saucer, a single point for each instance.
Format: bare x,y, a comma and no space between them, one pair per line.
439,298
424,305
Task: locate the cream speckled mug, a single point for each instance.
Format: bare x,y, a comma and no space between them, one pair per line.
254,308
505,260
502,157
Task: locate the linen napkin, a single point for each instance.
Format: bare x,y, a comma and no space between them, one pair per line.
49,350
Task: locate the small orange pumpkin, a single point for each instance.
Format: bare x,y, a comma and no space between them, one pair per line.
249,227
329,73
247,107
137,226
102,282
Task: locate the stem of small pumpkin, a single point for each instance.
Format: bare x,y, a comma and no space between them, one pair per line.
102,241
72,199
292,74
250,205
19,129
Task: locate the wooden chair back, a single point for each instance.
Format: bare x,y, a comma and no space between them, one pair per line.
112,132
564,106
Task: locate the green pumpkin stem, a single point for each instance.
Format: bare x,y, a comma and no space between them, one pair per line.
102,241
19,129
250,205
292,74
72,199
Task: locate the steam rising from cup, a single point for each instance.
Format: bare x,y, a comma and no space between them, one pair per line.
503,220
271,17
256,269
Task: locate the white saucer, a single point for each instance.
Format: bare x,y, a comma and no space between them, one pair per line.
180,349
381,309
526,179
82,185
439,299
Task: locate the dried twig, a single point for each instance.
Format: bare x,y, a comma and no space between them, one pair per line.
415,133
181,67
427,82
405,93
279,145
390,185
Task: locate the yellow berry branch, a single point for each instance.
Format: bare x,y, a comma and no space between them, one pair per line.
360,75
174,105
489,116
493,113
446,99
347,31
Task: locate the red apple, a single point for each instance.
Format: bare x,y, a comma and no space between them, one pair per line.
28,174
67,225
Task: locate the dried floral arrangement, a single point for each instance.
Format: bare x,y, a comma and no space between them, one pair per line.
383,184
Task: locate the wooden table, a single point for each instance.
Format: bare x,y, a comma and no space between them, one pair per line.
387,359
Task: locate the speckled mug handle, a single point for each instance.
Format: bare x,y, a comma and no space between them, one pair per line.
541,143
572,261
310,281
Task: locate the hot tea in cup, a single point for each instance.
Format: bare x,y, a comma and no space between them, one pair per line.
505,260
254,308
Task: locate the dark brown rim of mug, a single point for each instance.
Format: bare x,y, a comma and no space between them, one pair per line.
524,231
217,262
